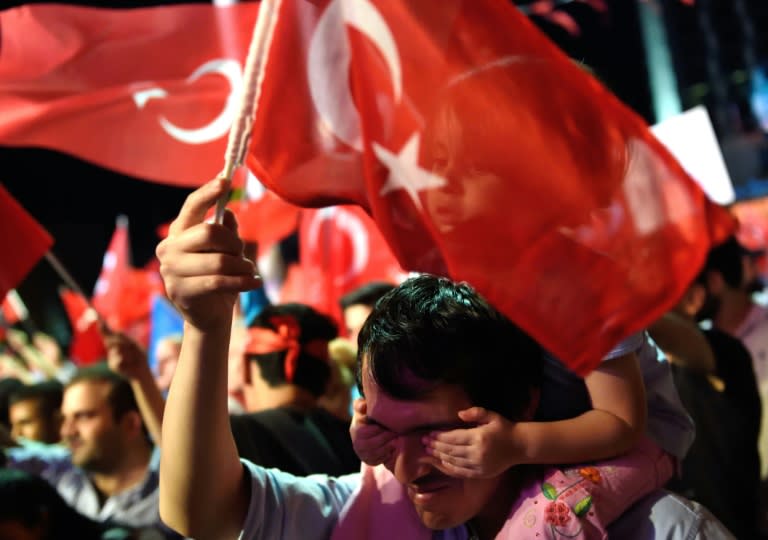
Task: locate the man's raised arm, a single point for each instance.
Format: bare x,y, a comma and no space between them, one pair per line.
203,491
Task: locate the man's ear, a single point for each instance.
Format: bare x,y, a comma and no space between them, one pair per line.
693,299
132,422
533,405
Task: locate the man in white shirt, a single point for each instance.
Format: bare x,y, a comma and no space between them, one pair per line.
104,468
208,493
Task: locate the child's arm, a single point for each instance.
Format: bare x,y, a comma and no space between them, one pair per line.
613,426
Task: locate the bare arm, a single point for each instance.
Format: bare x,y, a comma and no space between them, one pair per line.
21,345
203,492
127,358
683,343
493,443
613,426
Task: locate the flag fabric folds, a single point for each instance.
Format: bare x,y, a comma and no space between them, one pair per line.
23,242
87,345
262,217
113,281
483,153
123,294
149,92
340,249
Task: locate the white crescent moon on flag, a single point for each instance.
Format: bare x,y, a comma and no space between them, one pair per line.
329,59
219,126
355,231
230,70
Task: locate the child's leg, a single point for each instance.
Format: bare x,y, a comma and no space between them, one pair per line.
580,502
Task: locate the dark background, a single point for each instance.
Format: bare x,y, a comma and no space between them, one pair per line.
78,202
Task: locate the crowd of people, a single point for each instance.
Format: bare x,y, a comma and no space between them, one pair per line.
429,415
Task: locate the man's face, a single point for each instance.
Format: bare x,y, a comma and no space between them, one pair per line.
354,318
88,426
440,501
28,420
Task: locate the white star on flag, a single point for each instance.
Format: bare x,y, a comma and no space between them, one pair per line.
405,172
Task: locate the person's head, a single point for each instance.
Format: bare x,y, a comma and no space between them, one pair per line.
32,509
356,305
287,345
167,353
8,385
728,270
337,398
101,422
35,412
479,111
430,348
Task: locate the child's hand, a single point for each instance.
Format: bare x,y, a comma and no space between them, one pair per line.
371,443
482,451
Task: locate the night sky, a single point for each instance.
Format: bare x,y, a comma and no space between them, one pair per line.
78,202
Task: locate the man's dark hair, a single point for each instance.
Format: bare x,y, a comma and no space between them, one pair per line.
366,295
725,258
34,503
121,398
7,387
312,373
444,332
48,394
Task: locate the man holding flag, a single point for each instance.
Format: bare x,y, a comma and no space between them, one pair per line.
207,492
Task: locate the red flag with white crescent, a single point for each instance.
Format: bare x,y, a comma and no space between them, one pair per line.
149,92
486,154
340,249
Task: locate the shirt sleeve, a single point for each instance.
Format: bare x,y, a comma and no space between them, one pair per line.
49,461
626,346
287,506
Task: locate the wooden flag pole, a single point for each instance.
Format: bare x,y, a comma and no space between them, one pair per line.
72,284
239,134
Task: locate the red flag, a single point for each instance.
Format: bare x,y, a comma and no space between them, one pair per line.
150,92
123,294
109,294
23,241
9,315
13,309
340,250
87,345
484,153
262,216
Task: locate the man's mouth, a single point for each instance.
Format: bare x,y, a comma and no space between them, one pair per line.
424,489
74,444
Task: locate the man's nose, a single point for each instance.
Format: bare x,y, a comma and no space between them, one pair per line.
67,428
411,461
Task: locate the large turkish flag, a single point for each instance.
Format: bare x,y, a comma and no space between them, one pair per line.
484,153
